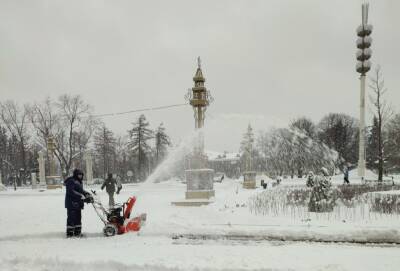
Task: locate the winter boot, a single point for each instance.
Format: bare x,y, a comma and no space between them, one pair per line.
70,231
78,231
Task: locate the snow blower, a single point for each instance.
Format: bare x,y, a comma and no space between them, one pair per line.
117,219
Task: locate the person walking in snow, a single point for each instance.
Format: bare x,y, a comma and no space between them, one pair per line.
321,199
346,175
111,185
75,196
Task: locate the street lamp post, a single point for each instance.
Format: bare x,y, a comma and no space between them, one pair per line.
363,66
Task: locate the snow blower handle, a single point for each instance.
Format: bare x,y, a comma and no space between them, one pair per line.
88,199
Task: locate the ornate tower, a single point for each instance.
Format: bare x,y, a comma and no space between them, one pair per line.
199,178
199,98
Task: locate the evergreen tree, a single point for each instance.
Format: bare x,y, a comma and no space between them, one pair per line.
372,145
139,136
392,149
162,141
122,164
104,147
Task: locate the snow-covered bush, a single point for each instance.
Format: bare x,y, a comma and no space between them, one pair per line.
279,200
385,202
299,196
349,202
321,199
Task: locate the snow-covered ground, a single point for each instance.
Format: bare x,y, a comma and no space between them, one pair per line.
222,236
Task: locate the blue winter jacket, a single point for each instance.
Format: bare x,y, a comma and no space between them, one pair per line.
74,193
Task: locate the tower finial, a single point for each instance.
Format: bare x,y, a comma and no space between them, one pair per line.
199,62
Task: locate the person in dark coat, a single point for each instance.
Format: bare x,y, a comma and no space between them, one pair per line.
111,185
346,175
75,197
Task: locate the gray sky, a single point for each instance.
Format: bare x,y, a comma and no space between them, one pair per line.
265,62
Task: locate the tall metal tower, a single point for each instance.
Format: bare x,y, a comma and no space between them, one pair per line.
363,66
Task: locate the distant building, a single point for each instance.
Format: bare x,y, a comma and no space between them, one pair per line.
227,163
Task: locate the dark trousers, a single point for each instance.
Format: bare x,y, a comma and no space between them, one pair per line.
74,224
111,202
346,180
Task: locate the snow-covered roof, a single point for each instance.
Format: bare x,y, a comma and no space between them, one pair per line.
213,155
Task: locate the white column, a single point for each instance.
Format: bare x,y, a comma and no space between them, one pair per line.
89,168
361,153
42,171
33,180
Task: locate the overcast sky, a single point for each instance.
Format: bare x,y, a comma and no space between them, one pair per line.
265,62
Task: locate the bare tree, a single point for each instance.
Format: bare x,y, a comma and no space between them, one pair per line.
382,112
15,118
74,131
44,119
46,122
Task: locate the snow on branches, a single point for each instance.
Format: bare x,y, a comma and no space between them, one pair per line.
290,151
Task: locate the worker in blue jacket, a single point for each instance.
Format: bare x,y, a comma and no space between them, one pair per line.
75,197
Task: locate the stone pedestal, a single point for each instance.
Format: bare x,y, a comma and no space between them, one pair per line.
200,183
54,182
42,173
200,188
249,180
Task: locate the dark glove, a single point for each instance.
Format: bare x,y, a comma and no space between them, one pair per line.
88,199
